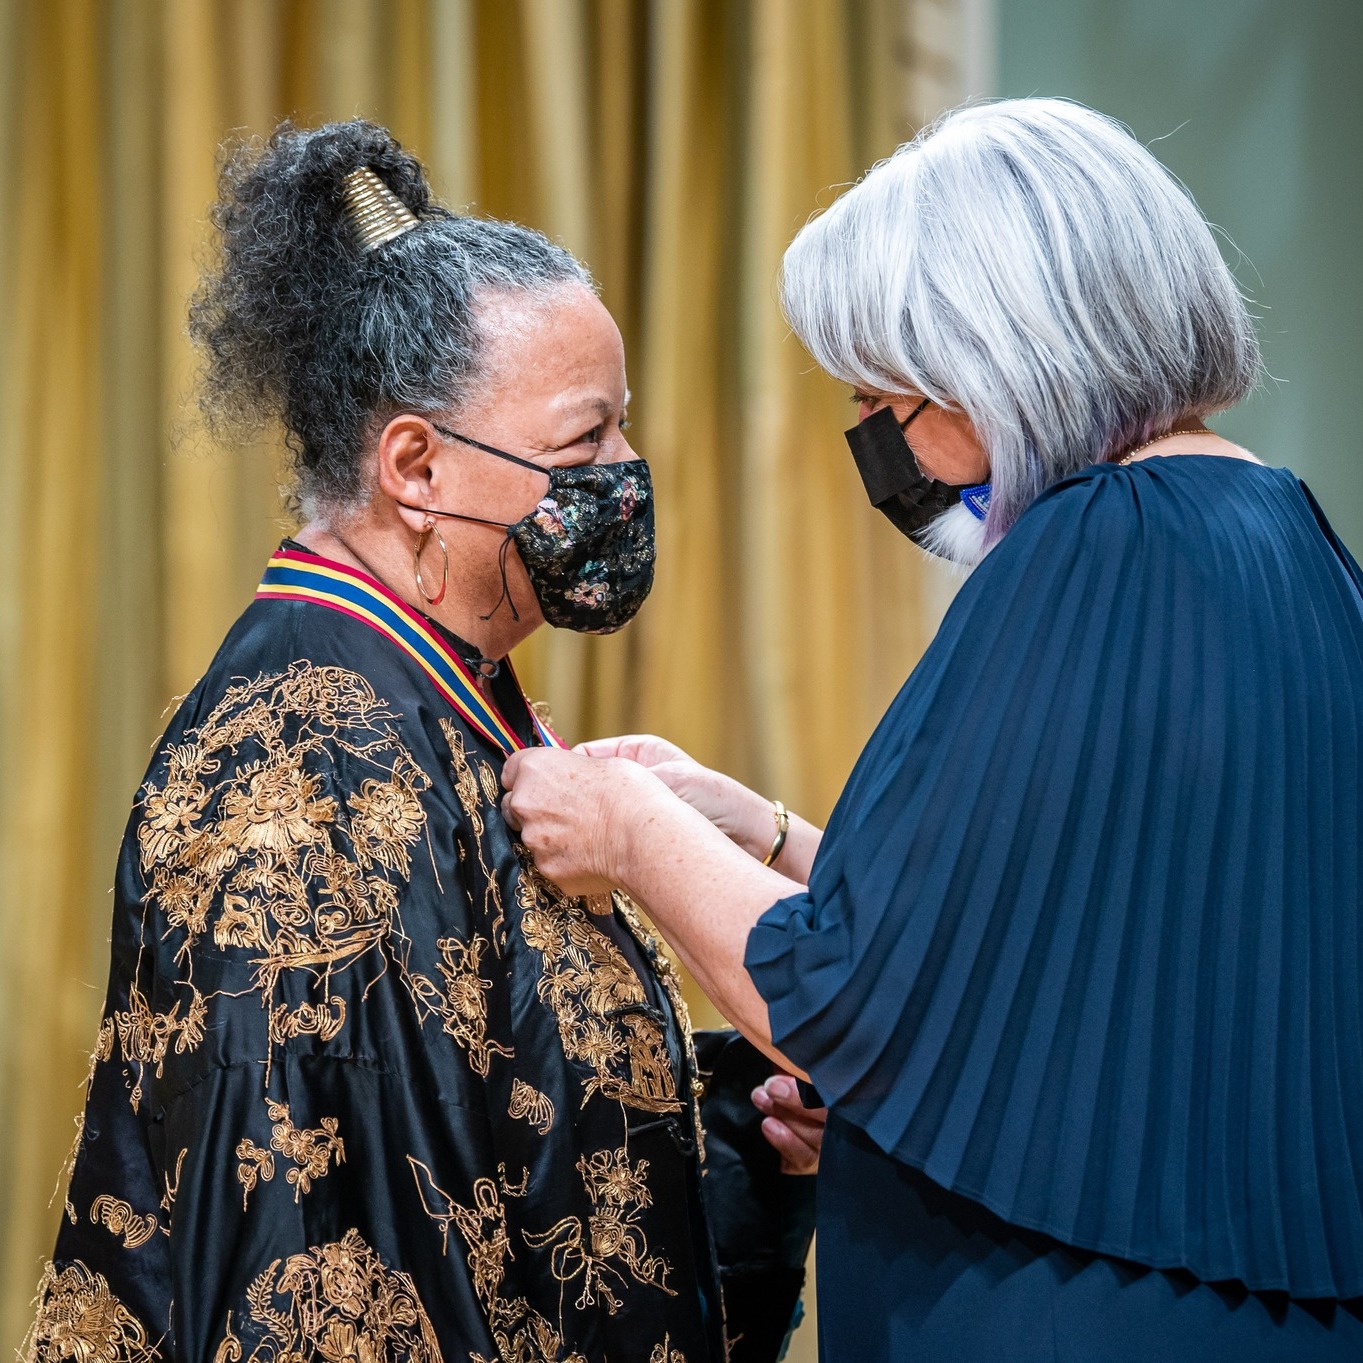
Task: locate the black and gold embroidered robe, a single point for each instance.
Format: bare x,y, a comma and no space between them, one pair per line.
367,1086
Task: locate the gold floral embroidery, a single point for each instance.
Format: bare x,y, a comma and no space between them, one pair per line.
598,1000
483,1227
68,1170
520,1333
665,1353
240,841
145,1037
462,1005
467,786
386,818
172,1190
603,1015
666,972
323,1020
465,781
171,815
255,1166
530,1103
276,813
619,1194
339,1302
79,1318
118,1218
104,1048
311,1150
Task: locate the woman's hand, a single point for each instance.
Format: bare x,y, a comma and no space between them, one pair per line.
739,813
595,824
795,1131
575,814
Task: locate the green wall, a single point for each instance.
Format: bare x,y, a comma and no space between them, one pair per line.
1257,105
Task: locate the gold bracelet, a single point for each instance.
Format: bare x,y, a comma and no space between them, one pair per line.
782,828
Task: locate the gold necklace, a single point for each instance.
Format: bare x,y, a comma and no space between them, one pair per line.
1131,454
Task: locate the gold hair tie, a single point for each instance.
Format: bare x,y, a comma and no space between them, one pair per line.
375,213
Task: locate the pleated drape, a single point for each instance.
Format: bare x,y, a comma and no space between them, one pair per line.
676,146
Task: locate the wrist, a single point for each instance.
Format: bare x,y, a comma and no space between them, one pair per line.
763,829
746,821
641,811
781,818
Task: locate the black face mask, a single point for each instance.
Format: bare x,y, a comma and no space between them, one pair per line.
895,483
587,547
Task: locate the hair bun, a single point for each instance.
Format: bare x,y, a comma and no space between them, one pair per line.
305,319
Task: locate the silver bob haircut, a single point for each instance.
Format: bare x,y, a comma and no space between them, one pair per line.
1031,264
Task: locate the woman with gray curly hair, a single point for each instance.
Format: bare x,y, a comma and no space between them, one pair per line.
1077,964
368,1086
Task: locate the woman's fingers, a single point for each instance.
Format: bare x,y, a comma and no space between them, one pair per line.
510,774
792,1112
797,1155
680,777
736,811
646,749
511,768
574,814
795,1131
556,802
783,1089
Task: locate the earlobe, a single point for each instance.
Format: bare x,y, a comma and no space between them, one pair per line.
428,529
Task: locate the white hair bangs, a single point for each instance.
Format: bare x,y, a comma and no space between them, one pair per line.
1031,264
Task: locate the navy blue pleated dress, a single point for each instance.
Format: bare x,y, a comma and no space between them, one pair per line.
1079,967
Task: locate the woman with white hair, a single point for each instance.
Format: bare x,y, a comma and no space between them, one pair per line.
1077,964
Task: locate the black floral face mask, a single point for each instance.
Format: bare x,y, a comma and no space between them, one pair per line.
587,546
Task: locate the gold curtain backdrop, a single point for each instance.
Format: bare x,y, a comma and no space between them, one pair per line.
675,146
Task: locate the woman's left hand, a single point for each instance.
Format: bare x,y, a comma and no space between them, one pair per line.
574,814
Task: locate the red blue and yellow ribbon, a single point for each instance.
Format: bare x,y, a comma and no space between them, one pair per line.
293,575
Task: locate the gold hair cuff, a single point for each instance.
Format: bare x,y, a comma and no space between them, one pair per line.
782,829
376,215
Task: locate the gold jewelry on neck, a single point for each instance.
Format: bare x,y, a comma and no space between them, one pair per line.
421,541
376,215
1154,440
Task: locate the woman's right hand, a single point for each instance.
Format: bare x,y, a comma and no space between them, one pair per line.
739,813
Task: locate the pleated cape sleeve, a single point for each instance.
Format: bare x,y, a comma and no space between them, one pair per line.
1082,942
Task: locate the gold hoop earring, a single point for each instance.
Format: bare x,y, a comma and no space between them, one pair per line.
421,541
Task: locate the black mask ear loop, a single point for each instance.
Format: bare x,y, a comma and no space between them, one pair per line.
501,553
506,586
490,449
908,420
505,550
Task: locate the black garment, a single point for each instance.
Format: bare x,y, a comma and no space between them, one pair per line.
367,1086
1082,943
762,1220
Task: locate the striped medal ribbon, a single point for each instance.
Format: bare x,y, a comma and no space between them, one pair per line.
292,575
